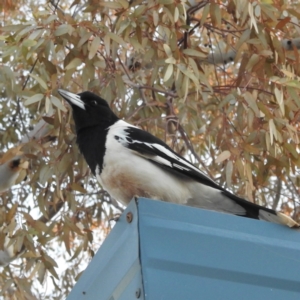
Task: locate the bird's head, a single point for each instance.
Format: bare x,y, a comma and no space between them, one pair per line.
89,110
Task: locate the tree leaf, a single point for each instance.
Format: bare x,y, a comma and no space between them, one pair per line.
94,47
117,39
33,99
56,102
168,73
74,63
223,156
41,82
62,29
193,52
167,50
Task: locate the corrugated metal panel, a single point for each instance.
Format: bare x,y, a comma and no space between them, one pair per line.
189,253
115,271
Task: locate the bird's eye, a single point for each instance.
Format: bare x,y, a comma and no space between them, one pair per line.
93,102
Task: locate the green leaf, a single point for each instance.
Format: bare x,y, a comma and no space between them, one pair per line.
29,43
293,83
166,2
35,34
77,187
112,5
291,148
41,82
176,14
25,31
94,47
74,63
170,60
50,19
252,103
273,131
244,37
117,39
56,102
33,99
193,52
228,172
279,98
84,38
155,17
168,72
205,13
62,29
167,50
223,156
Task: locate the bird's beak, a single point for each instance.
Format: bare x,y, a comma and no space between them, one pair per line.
71,98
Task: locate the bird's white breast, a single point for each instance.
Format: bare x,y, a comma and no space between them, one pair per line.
126,174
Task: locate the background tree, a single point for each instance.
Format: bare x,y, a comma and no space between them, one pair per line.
217,80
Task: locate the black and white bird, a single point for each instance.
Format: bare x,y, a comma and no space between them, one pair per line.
128,162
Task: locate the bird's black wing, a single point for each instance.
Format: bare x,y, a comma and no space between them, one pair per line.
154,149
145,144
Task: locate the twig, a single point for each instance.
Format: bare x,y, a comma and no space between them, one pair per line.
18,109
278,192
147,87
125,70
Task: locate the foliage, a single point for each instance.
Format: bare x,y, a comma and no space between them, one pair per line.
153,61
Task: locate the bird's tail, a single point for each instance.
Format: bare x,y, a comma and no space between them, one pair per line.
263,213
277,217
207,197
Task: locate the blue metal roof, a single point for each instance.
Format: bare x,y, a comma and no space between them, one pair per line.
189,253
115,271
176,252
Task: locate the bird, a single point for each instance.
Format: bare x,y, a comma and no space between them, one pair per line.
128,161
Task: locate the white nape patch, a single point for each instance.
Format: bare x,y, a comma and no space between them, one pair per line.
118,129
73,98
